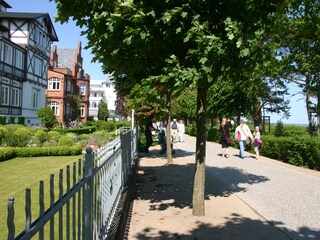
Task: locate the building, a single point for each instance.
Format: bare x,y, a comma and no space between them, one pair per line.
102,90
25,45
68,86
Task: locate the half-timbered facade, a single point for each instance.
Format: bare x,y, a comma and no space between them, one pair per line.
68,86
25,44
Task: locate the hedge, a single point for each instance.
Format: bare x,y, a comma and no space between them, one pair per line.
301,150
9,153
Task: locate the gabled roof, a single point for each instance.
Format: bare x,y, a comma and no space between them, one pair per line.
33,16
5,4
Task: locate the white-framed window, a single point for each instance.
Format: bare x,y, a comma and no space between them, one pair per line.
94,104
19,59
55,107
4,95
35,97
81,111
8,51
82,89
54,84
37,66
15,97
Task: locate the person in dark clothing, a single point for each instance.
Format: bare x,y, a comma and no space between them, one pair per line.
148,133
225,135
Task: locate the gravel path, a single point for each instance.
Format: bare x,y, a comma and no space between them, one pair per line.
287,196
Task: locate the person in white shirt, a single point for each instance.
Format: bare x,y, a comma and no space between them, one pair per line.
181,130
242,134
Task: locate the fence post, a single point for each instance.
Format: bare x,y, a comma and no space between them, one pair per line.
87,205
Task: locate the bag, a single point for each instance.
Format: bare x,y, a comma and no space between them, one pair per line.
229,141
259,141
239,137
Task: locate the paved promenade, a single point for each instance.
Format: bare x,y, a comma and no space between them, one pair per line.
245,198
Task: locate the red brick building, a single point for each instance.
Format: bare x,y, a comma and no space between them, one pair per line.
68,87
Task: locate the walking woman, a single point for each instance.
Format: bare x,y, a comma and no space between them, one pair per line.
225,137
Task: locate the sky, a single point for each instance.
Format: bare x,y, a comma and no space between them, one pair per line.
69,35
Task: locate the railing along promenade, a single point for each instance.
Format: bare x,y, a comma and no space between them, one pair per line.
91,205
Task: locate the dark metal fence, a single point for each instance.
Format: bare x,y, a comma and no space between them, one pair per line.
86,209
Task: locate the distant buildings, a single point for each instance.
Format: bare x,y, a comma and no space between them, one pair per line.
68,86
34,75
25,44
102,90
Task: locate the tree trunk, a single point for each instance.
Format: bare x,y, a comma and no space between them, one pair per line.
168,132
257,117
309,113
318,109
200,168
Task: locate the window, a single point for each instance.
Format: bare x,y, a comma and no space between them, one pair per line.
55,108
69,86
81,111
82,89
94,105
54,84
5,95
15,97
37,66
19,59
35,98
8,54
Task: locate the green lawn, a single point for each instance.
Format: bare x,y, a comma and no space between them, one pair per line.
20,173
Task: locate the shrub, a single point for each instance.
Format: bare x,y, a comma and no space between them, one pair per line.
300,151
107,126
47,117
7,153
50,143
41,135
20,137
21,120
213,134
3,120
54,135
279,131
3,133
65,141
12,120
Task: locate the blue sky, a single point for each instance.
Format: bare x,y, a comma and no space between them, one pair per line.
69,35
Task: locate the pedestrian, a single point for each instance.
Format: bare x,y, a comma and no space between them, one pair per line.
257,141
181,130
243,135
225,137
174,130
148,133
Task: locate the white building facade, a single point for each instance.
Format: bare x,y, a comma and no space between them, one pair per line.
102,90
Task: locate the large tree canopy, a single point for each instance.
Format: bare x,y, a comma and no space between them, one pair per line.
172,44
297,36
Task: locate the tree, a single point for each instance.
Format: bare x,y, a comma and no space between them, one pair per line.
121,106
168,45
46,115
297,35
103,112
185,105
